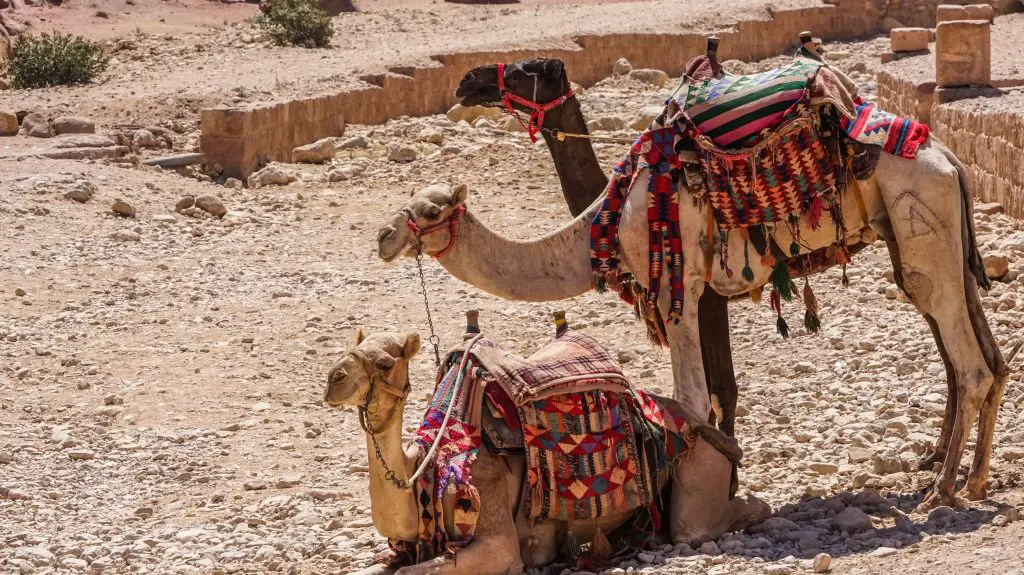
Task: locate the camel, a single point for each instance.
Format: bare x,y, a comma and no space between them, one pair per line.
374,376
920,221
583,181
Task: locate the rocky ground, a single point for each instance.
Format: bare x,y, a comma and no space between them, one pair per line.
162,373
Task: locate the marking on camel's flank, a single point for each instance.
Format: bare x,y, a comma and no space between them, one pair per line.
919,215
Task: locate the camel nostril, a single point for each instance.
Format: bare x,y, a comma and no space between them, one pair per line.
385,233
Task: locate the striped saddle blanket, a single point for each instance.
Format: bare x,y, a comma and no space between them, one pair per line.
732,111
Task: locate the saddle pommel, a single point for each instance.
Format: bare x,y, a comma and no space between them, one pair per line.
712,51
472,322
560,324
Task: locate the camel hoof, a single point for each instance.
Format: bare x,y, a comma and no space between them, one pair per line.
936,499
971,493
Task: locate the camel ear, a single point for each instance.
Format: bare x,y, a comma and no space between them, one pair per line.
460,193
554,68
360,336
412,345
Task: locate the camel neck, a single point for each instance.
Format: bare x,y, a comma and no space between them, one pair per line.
553,267
393,509
579,172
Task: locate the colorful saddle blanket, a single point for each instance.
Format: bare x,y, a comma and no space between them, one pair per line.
593,446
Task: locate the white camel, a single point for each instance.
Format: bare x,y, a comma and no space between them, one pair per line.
375,375
920,207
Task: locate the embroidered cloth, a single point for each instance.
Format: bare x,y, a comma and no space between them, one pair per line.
897,136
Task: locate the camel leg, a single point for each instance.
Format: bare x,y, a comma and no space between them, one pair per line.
689,387
488,556
931,251
701,506
716,352
942,446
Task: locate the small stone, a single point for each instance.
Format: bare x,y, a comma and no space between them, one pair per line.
882,552
126,236
73,125
143,138
113,400
988,209
646,557
941,514
8,124
459,113
185,203
649,76
996,265
36,125
211,205
123,208
316,153
622,67
272,175
852,520
859,454
289,480
81,191
144,512
5,458
824,468
886,463
354,142
81,454
432,135
709,548
254,485
778,569
165,219
20,292
822,562
234,184
805,367
261,406
1010,453
402,153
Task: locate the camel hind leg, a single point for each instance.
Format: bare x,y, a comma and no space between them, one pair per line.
924,203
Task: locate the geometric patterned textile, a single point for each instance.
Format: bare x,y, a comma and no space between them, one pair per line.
785,174
581,457
730,109
654,150
898,136
667,416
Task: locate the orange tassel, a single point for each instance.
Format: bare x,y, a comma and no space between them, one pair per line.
755,294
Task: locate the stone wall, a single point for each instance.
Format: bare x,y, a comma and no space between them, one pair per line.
987,134
240,139
905,97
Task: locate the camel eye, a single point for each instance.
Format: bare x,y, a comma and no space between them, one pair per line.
432,213
384,363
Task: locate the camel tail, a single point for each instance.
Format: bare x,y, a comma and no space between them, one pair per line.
972,256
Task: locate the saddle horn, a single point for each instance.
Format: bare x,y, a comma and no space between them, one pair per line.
472,323
712,55
561,326
810,45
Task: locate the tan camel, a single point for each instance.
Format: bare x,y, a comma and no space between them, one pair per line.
921,208
378,368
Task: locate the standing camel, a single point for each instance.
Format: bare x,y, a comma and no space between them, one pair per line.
920,207
583,181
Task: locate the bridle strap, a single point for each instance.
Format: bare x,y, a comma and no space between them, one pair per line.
536,119
451,222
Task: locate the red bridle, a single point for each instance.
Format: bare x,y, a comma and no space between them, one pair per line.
452,223
532,125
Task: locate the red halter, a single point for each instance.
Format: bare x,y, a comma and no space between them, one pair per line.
452,222
532,125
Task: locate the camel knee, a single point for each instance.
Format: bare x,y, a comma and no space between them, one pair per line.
918,288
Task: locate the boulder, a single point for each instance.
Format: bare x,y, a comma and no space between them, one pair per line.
143,138
73,125
272,175
622,67
316,153
650,76
996,265
36,126
211,205
336,7
402,153
8,124
123,208
851,520
469,114
606,124
647,114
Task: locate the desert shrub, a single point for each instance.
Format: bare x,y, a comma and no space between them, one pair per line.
296,23
55,59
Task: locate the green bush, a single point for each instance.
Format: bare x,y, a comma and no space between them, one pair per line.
296,23
55,59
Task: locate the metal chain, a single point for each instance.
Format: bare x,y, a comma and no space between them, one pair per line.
434,340
388,473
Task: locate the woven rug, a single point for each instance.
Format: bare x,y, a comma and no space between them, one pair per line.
896,135
731,109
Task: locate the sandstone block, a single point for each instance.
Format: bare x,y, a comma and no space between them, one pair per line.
949,13
963,53
909,39
980,12
73,125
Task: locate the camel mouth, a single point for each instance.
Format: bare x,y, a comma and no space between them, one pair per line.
470,94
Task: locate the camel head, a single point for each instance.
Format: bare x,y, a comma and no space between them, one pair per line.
432,210
373,374
538,80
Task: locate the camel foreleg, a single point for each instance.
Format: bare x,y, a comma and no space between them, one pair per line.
689,387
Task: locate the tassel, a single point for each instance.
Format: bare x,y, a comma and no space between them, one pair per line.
780,323
755,294
811,320
846,279
768,260
783,327
572,546
600,548
814,212
781,281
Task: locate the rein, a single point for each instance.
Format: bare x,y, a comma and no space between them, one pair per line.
364,414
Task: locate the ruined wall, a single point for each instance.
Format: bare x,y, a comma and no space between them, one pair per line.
987,134
240,139
905,97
